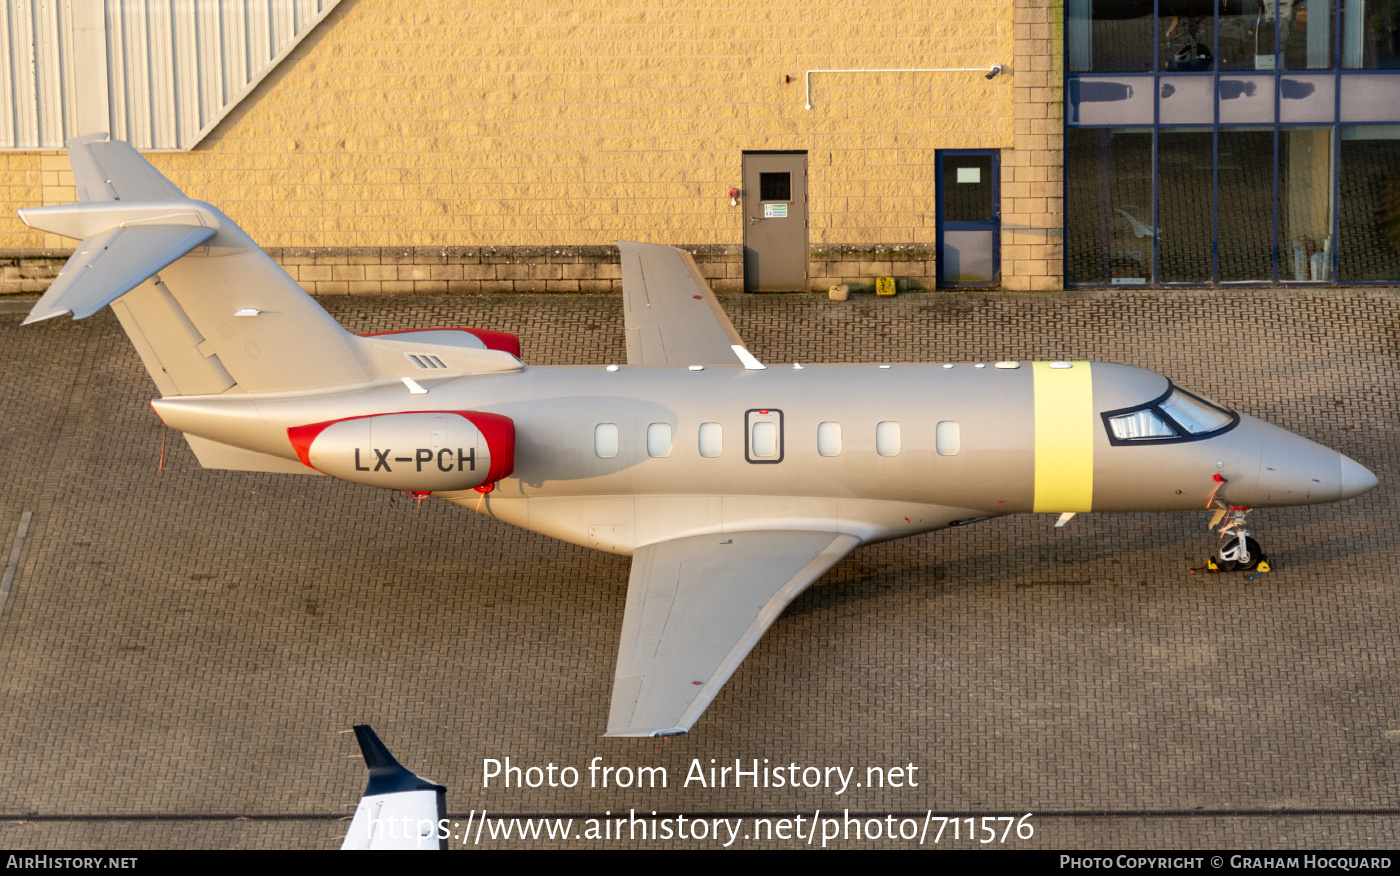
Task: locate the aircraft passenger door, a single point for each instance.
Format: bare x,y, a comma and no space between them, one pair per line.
969,217
763,435
775,221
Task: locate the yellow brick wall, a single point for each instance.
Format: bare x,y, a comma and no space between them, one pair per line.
451,122
21,185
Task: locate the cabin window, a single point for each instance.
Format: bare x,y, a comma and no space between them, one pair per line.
948,438
829,439
764,439
887,438
711,440
605,440
659,440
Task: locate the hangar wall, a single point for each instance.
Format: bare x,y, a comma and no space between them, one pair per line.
433,146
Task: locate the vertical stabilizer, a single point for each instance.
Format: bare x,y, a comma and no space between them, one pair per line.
207,310
398,809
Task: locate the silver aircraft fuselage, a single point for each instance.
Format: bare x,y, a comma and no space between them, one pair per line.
561,486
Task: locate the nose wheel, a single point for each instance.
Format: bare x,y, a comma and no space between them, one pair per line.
1237,552
1240,554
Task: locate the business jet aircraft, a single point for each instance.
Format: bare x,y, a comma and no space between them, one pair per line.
732,485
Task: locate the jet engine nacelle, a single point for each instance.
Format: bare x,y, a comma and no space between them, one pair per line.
421,451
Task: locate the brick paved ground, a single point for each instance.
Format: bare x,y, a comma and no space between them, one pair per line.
194,643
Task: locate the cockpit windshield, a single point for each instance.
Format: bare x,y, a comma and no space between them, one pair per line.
1176,416
1194,414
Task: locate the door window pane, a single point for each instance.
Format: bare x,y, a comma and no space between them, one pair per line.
1369,206
1246,217
1305,204
774,187
763,440
968,188
1184,200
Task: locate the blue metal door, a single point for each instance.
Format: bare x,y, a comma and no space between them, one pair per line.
969,218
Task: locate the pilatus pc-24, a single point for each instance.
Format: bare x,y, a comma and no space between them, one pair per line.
732,485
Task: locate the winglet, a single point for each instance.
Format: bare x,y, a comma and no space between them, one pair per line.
398,810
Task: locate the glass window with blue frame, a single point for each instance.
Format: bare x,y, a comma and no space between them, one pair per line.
1232,141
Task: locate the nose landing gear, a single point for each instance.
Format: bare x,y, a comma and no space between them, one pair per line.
1238,552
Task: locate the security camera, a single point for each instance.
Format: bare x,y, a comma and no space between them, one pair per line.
992,73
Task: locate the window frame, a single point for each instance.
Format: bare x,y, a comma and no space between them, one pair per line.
1181,436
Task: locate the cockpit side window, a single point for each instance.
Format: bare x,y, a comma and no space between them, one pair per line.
1139,424
1176,416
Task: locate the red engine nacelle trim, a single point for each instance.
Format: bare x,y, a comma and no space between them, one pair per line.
500,438
494,340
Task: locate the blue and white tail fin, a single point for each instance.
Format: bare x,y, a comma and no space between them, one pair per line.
398,809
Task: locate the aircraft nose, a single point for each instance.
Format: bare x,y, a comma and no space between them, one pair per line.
1356,478
1291,470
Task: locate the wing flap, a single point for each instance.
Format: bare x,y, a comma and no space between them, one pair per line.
671,313
695,608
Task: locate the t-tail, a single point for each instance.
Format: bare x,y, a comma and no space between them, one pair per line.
211,314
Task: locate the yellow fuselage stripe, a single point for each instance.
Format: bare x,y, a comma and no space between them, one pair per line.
1064,437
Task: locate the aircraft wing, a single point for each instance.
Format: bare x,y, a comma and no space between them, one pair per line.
671,314
695,608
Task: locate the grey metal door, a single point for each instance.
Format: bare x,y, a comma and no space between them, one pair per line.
775,221
969,217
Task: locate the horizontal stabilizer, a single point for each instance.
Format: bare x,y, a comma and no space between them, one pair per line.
108,265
